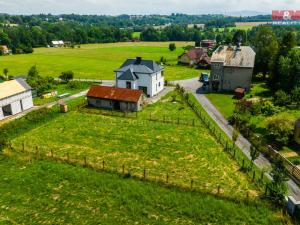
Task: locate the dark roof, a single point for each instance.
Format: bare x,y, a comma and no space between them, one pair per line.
119,94
140,66
128,75
297,124
24,84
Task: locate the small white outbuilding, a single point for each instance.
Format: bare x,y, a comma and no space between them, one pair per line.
15,97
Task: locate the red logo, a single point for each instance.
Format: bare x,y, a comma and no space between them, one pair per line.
285,15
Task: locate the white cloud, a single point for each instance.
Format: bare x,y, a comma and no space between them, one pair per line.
116,7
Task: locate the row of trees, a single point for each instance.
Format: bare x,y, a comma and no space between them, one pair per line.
22,39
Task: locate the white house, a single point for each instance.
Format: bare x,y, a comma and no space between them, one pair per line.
139,74
56,44
15,97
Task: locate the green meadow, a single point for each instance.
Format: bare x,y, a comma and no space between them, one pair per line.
184,152
43,192
97,61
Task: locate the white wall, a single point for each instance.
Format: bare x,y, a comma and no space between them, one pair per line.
15,101
27,103
1,114
16,107
153,82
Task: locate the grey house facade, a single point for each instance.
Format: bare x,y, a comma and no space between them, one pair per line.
231,68
111,98
15,97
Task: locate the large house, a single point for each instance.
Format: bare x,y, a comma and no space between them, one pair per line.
139,74
115,98
15,97
195,56
232,68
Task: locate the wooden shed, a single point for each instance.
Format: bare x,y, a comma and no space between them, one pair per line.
297,131
122,99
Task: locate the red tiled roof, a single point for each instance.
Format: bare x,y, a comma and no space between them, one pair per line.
196,53
119,94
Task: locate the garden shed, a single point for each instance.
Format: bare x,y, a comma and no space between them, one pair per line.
122,99
15,97
297,131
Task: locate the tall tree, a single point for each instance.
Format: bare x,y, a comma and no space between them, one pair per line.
266,48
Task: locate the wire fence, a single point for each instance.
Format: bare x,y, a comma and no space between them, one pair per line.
126,170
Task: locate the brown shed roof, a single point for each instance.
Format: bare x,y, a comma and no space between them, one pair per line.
119,94
196,53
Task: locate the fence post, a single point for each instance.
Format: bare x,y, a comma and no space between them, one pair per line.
23,146
219,187
243,166
233,152
103,164
144,174
253,177
51,153
123,169
192,182
226,145
167,178
247,197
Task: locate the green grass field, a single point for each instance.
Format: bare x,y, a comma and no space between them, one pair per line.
42,192
97,61
183,152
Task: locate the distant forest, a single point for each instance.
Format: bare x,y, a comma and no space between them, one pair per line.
23,33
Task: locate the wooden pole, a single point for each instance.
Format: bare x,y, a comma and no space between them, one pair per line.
219,187
253,177
167,178
23,147
103,164
144,175
192,182
51,153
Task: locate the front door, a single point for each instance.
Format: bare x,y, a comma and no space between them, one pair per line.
117,105
128,84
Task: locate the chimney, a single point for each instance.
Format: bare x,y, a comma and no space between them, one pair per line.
138,60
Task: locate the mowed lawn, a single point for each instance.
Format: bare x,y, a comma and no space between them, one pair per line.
183,152
41,192
97,61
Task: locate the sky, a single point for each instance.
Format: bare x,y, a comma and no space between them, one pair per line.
143,7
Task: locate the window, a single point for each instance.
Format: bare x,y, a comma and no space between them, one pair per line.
158,84
128,84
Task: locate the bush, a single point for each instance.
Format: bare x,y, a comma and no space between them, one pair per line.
67,76
172,47
280,128
268,109
75,85
281,98
295,95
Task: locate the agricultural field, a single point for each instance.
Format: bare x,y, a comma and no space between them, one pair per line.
43,192
97,61
184,152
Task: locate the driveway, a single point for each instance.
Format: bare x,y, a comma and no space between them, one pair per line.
195,87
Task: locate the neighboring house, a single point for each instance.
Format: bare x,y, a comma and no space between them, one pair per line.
297,131
231,68
6,50
139,74
15,97
115,98
208,43
56,44
194,56
199,26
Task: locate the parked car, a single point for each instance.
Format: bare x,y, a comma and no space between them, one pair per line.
204,78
